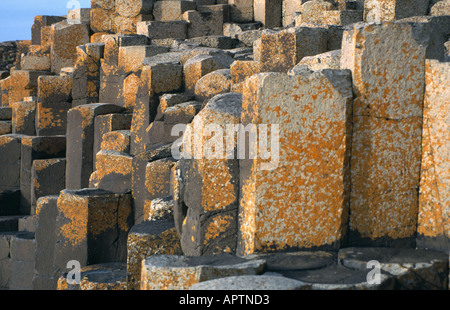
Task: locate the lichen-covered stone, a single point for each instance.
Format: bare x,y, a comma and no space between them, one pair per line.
283,203
388,82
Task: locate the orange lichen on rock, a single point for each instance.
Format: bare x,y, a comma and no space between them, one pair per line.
387,65
434,201
303,201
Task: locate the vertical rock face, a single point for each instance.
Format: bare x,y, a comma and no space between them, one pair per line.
434,200
283,201
80,137
387,65
66,37
210,173
165,143
92,227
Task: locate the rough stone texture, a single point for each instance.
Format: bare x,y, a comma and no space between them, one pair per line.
262,282
118,141
212,84
80,136
268,12
35,148
146,239
169,11
241,69
113,172
22,248
241,11
54,101
388,81
10,152
210,186
92,227
203,23
328,60
313,153
200,65
440,8
383,11
23,118
282,50
163,30
46,213
139,177
66,37
86,75
48,177
40,22
170,272
412,269
434,196
104,124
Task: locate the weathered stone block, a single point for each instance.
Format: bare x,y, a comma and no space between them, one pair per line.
289,8
310,148
48,177
113,172
200,65
160,131
41,62
268,12
5,127
163,77
34,148
282,50
66,37
146,239
104,124
86,74
171,272
10,152
212,84
241,69
80,137
390,10
118,140
40,22
163,30
224,9
139,177
173,10
92,227
45,235
387,131
23,118
434,202
79,16
202,24
210,179
241,11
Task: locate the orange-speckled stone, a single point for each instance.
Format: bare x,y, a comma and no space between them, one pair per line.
211,178
387,65
170,272
434,195
299,200
92,226
66,37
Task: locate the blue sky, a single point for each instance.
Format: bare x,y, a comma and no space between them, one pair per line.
17,16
